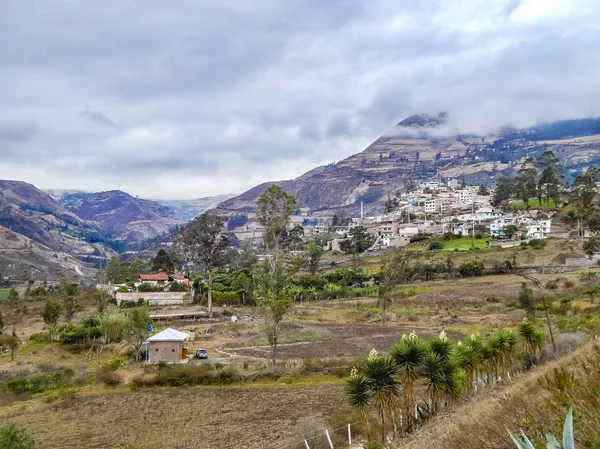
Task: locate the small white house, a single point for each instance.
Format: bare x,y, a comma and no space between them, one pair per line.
169,345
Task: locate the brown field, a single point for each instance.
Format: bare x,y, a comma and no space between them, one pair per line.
199,417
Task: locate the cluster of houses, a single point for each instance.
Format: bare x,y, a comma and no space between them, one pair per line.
436,208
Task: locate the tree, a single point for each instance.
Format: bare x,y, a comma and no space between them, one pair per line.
67,291
591,246
204,243
582,197
52,312
14,437
359,240
292,239
242,283
408,354
525,182
509,230
314,253
503,192
550,181
273,275
526,298
1,322
101,300
482,190
391,204
11,342
162,261
114,271
139,319
132,269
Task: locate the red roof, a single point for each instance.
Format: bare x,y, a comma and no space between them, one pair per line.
178,277
160,276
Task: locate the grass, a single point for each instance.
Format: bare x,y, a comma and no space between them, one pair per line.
4,293
534,204
464,244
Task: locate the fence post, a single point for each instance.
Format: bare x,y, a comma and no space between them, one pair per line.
349,436
306,444
328,438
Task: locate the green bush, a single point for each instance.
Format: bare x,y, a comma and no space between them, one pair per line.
436,246
220,298
71,334
14,437
39,383
538,243
109,378
180,375
132,304
471,269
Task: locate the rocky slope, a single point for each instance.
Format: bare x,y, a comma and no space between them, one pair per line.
121,215
39,238
419,148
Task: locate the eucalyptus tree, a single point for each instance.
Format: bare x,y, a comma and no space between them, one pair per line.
273,275
408,354
204,242
551,177
525,181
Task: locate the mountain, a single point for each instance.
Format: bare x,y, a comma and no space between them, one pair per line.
420,147
39,238
186,210
121,215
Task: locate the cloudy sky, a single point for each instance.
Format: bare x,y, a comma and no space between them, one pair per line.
190,98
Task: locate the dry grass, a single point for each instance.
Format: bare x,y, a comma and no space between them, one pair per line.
536,403
201,417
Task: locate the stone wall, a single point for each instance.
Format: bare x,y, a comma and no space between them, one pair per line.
153,298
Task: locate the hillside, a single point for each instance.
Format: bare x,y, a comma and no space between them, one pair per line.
121,215
186,210
418,148
39,237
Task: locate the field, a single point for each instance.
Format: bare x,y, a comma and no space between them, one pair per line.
320,341
4,293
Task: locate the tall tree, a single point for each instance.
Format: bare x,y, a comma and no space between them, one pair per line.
114,271
139,319
582,197
162,261
68,292
272,276
551,177
204,243
503,192
525,182
314,253
358,241
52,312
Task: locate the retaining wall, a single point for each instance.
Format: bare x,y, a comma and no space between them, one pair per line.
153,298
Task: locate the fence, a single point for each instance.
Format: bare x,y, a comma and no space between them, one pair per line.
339,437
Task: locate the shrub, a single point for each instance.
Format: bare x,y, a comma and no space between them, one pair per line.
122,289
131,304
109,378
551,285
39,383
471,269
538,243
220,298
178,376
568,284
435,246
14,437
115,363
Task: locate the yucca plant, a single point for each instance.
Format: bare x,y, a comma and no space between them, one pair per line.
533,339
551,442
408,355
466,358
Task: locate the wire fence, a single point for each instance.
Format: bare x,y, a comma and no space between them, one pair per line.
339,437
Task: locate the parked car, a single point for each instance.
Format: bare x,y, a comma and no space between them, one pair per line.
201,354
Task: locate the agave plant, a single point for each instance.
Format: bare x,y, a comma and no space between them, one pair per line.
551,442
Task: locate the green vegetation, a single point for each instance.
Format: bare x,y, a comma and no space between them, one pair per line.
4,293
534,204
14,437
465,244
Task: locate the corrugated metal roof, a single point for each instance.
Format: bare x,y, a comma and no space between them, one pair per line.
169,335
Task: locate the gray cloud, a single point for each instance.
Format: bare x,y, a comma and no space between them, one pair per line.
217,96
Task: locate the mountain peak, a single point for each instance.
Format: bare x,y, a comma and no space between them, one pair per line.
424,120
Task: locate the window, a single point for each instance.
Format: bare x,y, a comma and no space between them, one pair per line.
156,349
172,350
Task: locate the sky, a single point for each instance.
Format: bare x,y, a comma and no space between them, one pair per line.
181,99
